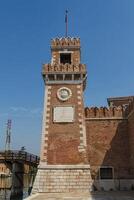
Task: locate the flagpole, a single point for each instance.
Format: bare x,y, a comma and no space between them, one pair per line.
66,22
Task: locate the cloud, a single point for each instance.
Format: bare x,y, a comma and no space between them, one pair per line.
18,109
36,111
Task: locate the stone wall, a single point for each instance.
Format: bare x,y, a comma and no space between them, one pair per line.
63,179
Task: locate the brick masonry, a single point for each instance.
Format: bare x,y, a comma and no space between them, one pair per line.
131,138
110,137
107,141
70,137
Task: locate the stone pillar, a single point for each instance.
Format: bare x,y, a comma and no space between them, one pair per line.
17,180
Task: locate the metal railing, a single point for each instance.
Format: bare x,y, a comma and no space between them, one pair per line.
20,156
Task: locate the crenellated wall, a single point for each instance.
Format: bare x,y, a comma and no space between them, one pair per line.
104,112
65,41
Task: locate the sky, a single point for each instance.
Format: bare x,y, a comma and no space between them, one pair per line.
106,30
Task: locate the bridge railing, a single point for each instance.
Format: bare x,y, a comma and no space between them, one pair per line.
19,156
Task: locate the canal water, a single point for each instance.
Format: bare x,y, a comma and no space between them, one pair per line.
6,183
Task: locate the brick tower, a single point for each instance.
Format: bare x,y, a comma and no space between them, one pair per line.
64,165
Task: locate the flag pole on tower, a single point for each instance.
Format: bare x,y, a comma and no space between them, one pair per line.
66,22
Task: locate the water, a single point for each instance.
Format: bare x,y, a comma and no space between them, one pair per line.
6,183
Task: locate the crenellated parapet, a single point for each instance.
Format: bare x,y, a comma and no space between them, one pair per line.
130,107
65,42
59,68
104,112
64,73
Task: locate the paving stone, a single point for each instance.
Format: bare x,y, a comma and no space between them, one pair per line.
81,196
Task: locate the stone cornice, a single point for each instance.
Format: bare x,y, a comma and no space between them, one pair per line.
76,166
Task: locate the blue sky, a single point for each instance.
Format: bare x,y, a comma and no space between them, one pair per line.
106,29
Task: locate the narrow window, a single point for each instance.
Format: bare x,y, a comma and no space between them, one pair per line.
77,77
65,58
106,173
51,77
59,77
68,76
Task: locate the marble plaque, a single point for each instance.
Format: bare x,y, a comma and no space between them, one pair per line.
63,114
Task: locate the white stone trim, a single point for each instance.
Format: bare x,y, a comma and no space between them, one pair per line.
45,157
81,131
81,148
69,93
46,138
79,97
81,137
48,97
84,135
43,123
48,115
49,92
45,144
79,166
46,126
48,108
66,51
78,91
80,125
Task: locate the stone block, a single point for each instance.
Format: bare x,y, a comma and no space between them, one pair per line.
63,179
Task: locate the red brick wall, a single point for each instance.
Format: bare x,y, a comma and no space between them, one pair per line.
131,138
64,138
108,144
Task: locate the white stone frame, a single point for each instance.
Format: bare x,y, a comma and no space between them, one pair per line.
64,121
64,88
64,52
